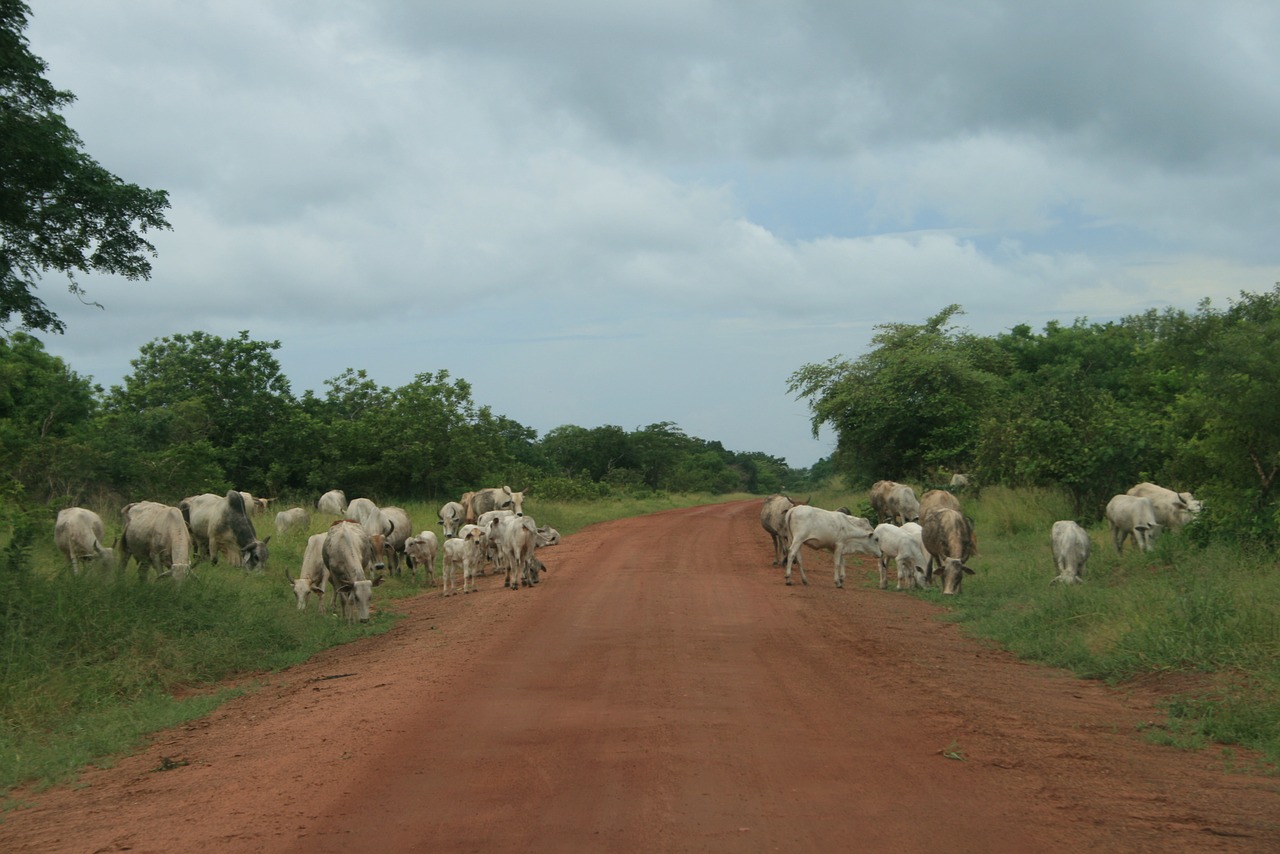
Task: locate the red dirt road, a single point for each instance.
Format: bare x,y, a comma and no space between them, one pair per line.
662,690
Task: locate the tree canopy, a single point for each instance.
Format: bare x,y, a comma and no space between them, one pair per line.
60,211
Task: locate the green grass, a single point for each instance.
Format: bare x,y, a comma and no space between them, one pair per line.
1203,621
92,664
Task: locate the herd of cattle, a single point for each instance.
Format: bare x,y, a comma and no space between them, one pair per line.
931,534
349,557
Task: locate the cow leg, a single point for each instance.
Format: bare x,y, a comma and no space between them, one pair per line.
884,574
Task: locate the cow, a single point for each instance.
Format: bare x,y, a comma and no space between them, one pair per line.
1173,509
452,565
548,536
936,498
903,544
220,524
495,498
947,535
349,557
155,535
452,517
293,519
515,539
894,502
829,530
374,522
421,550
1132,516
401,531
78,534
255,506
333,502
772,512
1071,547
313,576
959,481
473,556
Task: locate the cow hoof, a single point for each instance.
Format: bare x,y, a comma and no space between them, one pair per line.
788,582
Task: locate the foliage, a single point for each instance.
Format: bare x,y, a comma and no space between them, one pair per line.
60,211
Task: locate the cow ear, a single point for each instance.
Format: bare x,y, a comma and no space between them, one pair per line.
967,570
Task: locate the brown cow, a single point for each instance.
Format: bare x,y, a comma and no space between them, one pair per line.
949,540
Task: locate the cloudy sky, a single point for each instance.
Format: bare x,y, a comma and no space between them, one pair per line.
623,213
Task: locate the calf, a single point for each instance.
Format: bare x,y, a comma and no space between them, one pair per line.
312,577
905,545
78,534
421,551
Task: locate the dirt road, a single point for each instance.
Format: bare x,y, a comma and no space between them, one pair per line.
662,690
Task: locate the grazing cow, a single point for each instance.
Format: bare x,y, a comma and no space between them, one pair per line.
155,535
959,481
1070,550
349,557
829,530
936,498
473,556
221,525
1172,509
905,546
1132,516
78,534
772,512
313,576
947,536
421,551
401,531
894,502
293,519
452,517
452,565
333,502
496,498
374,522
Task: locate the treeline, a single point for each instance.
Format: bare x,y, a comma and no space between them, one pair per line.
203,413
1190,400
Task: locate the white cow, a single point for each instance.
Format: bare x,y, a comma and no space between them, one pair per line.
293,519
349,556
1071,548
829,530
333,502
548,536
421,550
495,498
452,517
905,545
1172,509
155,535
313,577
78,534
477,543
515,538
453,565
1132,516
221,525
255,506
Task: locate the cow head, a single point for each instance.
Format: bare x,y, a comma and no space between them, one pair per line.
301,588
953,573
254,555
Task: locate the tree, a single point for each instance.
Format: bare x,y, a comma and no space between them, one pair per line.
914,402
59,210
